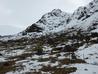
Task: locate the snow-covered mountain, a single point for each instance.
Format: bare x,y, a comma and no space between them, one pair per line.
84,18
55,21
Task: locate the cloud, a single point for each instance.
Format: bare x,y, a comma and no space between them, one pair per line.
4,10
8,30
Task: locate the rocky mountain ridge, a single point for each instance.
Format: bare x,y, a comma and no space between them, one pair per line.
57,20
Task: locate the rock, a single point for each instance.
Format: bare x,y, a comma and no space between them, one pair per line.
0,54
33,28
69,48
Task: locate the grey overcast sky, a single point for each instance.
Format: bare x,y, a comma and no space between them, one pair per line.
16,15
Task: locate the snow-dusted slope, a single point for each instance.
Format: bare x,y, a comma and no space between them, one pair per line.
90,55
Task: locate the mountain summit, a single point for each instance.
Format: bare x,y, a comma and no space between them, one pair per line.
50,22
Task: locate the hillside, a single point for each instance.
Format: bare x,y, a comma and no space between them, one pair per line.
58,43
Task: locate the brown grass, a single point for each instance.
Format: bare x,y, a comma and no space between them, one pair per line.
54,70
7,66
68,61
